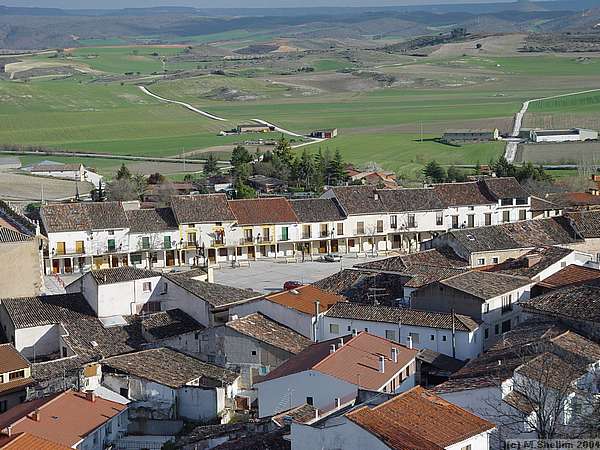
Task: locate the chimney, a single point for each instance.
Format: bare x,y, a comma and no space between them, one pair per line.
594,191
35,415
355,333
341,342
375,196
394,354
382,364
9,430
532,260
409,339
338,402
90,396
317,308
332,348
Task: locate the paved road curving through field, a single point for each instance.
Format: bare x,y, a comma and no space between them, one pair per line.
513,142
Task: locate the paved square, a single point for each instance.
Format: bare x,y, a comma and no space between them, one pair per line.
269,275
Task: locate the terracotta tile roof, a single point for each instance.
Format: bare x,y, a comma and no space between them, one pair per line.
317,210
507,187
300,414
520,402
202,209
64,418
387,314
263,211
273,333
531,263
151,220
355,285
540,204
303,299
15,385
516,348
566,200
121,275
10,235
359,199
587,223
575,302
84,329
419,420
24,441
11,359
525,234
485,285
402,200
356,362
217,295
571,275
462,194
166,324
83,216
55,167
169,367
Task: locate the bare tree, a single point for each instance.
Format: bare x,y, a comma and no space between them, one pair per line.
121,190
552,395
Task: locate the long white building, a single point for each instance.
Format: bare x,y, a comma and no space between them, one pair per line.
212,229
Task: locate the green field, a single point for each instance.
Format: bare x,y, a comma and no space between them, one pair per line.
381,125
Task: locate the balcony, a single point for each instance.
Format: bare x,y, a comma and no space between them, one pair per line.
324,234
216,243
265,240
306,236
247,241
190,245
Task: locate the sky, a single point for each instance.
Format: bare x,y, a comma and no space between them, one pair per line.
104,4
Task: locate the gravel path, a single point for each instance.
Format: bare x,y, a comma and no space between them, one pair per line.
185,105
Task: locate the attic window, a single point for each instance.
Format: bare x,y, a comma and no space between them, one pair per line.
470,237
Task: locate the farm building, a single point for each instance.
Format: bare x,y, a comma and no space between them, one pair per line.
471,135
254,128
571,135
76,171
324,134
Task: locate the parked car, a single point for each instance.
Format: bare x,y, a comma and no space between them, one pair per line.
289,285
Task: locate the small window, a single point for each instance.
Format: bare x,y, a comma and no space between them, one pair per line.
412,223
380,226
407,371
124,392
481,262
334,328
522,214
340,229
432,337
488,219
394,222
253,352
111,245
505,216
349,328
360,228
111,232
444,338
145,242
495,260
136,258
309,401
366,329
147,286
16,375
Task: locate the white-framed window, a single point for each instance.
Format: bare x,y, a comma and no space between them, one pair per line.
334,328
481,262
147,286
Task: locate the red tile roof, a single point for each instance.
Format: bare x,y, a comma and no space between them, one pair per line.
263,211
65,418
11,359
419,420
23,441
356,362
570,275
303,299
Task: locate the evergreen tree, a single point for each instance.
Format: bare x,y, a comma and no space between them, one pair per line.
434,172
240,156
338,174
123,173
210,167
283,150
455,174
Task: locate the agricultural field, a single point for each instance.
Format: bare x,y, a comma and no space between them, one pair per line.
567,153
388,108
582,111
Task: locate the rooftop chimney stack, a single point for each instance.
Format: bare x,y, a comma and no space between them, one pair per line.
317,308
36,415
341,342
410,343
394,354
355,333
90,396
332,348
382,364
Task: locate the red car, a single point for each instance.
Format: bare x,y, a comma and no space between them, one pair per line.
289,285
